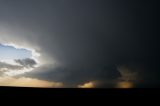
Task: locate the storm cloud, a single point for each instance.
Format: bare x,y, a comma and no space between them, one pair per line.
81,41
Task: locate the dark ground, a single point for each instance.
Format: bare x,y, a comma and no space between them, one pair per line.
71,92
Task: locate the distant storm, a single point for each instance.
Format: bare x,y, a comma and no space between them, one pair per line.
79,43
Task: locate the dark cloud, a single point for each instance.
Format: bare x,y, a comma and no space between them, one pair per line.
26,62
88,39
17,67
4,65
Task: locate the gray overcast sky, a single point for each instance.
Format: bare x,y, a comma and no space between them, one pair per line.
86,40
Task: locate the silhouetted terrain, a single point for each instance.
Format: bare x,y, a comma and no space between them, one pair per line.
71,92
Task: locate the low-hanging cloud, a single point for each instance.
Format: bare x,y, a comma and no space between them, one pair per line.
20,66
26,62
4,65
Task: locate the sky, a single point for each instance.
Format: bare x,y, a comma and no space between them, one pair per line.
79,43
8,52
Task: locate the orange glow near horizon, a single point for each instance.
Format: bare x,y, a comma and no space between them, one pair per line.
125,84
87,85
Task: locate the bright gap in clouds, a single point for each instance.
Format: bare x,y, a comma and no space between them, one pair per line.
10,53
16,60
